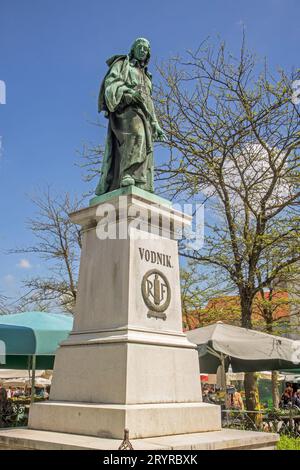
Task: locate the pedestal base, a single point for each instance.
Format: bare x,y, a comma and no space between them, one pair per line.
109,421
226,439
126,367
127,363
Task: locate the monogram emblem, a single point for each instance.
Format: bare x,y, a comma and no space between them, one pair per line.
156,293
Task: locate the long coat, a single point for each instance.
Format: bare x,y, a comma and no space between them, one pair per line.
120,156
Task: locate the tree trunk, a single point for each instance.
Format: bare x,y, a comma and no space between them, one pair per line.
250,382
252,398
275,390
246,308
268,316
251,391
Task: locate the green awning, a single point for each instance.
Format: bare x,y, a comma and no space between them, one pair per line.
32,333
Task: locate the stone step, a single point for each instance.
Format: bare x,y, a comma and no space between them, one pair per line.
23,438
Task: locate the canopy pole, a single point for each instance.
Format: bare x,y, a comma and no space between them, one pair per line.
33,364
221,356
223,381
223,372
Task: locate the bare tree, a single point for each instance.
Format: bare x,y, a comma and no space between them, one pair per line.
3,305
58,243
233,133
90,159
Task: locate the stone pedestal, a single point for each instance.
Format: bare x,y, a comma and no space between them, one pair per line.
127,363
226,439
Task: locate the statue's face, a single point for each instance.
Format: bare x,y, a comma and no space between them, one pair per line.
141,51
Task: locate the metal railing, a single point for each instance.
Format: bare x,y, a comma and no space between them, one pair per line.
285,422
13,413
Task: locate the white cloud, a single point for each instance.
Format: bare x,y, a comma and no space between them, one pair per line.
24,264
249,175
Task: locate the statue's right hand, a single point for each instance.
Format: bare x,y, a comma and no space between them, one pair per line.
131,96
127,98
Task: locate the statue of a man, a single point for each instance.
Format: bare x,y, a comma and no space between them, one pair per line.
125,96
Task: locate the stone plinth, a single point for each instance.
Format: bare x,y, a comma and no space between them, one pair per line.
226,439
127,362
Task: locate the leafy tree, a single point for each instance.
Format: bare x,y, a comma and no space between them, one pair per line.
197,288
233,134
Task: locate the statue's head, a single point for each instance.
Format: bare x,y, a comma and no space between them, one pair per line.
140,50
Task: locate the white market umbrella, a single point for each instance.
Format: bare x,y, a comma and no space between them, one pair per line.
245,350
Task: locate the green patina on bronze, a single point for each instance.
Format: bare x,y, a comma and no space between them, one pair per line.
130,191
125,97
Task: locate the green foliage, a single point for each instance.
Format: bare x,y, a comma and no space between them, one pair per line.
233,135
197,288
288,443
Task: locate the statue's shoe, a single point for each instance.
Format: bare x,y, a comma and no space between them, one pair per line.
127,181
140,181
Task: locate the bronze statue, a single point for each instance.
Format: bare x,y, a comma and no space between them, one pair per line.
125,97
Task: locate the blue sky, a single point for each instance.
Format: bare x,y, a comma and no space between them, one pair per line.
52,59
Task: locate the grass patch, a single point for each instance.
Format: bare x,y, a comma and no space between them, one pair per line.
288,443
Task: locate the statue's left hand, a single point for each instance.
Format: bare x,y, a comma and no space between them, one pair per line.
158,133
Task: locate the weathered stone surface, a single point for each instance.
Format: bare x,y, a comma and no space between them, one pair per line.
127,361
216,440
109,421
134,372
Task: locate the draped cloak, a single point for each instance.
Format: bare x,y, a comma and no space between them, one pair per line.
129,146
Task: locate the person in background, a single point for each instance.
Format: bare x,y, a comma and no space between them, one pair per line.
296,398
289,389
286,399
237,401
